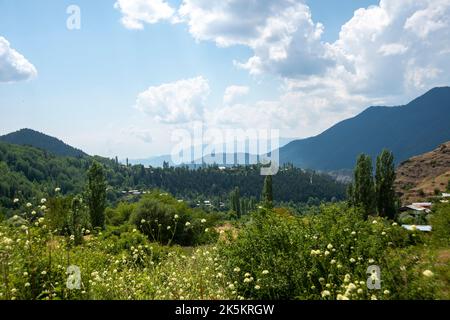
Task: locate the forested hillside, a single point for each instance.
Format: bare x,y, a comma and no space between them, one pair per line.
29,172
28,137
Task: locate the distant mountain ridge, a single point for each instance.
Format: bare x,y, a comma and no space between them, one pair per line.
29,137
242,158
409,130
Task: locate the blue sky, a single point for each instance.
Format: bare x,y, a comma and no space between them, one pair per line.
93,86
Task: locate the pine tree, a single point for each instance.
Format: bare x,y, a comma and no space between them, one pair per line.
364,189
96,194
267,194
384,185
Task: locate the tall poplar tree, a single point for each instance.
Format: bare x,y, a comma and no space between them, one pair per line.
267,194
96,194
363,188
384,185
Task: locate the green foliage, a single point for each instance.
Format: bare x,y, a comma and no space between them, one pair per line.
448,186
267,193
119,215
30,173
363,189
58,213
384,185
96,195
28,137
440,222
279,256
167,221
235,202
78,220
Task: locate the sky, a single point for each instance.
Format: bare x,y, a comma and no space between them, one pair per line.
135,71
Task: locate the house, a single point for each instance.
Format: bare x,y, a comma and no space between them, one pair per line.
426,205
419,228
415,209
446,195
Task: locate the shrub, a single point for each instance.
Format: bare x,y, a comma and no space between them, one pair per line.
440,221
163,219
284,257
119,215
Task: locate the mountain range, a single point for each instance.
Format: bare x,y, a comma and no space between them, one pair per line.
409,130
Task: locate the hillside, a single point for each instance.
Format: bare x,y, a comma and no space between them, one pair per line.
28,172
28,137
418,127
420,176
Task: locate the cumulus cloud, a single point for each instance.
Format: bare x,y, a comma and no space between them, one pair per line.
176,102
385,54
137,12
394,48
14,66
234,92
281,33
301,110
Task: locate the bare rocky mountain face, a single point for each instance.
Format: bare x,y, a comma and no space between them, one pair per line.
424,176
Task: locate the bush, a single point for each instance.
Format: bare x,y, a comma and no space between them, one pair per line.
119,215
440,222
163,219
278,256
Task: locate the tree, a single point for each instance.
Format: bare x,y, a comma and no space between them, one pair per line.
235,202
77,220
267,193
364,189
448,186
96,195
351,194
384,184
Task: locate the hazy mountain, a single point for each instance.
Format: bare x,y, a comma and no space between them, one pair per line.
28,137
409,130
242,158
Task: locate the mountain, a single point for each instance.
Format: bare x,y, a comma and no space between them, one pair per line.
153,161
409,130
28,137
244,158
421,176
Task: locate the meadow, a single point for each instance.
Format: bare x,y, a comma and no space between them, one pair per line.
159,248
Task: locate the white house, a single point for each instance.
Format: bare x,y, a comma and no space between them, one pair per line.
419,228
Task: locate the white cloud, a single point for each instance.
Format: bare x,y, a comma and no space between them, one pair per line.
301,110
383,50
176,102
137,12
234,92
392,49
281,33
386,54
14,66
